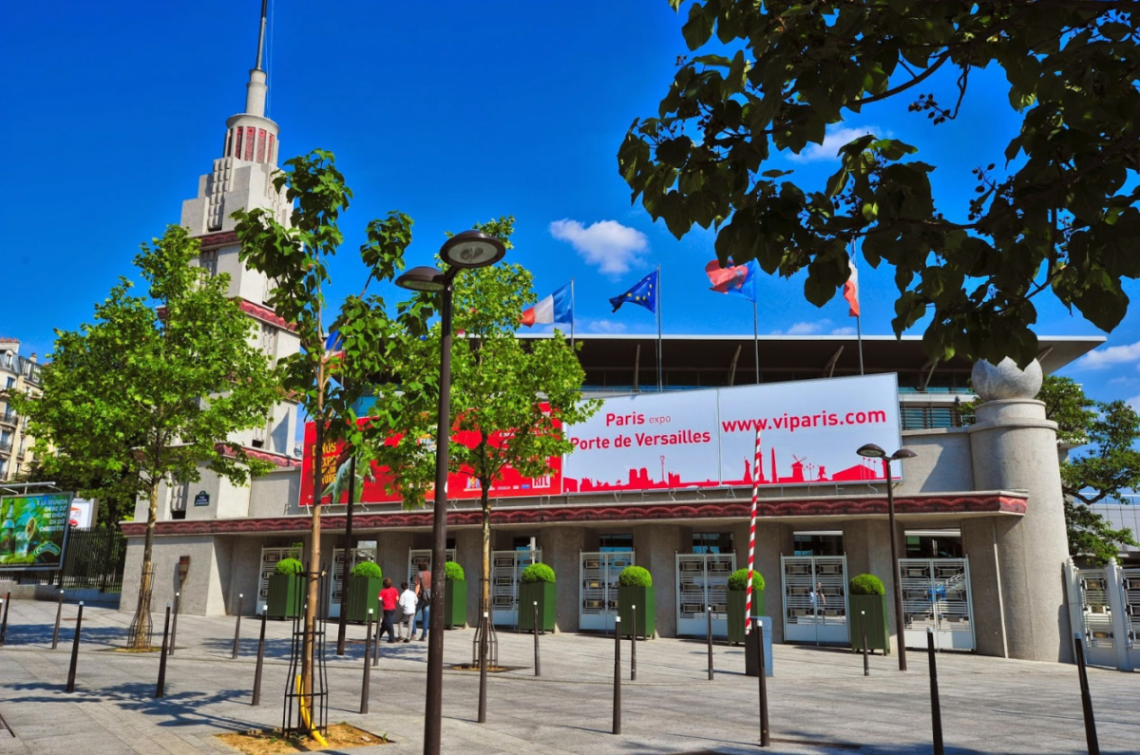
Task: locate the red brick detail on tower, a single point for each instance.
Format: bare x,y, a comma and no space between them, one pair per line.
997,504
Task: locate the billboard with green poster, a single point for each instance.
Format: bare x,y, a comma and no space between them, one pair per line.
33,530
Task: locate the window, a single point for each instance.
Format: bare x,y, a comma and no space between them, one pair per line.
259,437
268,339
712,542
11,383
178,493
609,543
208,259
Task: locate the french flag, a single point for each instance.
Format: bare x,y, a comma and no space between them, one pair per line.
556,308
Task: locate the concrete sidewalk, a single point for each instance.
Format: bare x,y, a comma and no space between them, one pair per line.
820,700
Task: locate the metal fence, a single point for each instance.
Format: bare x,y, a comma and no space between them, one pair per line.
94,559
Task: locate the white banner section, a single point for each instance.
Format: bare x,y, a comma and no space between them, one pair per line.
810,431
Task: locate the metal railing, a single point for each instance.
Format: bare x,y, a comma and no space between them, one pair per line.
94,559
9,417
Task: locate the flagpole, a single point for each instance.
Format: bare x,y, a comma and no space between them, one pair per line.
756,340
859,335
660,382
571,313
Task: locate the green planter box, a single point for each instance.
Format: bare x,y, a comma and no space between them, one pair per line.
454,604
363,593
872,609
736,600
284,599
646,601
543,592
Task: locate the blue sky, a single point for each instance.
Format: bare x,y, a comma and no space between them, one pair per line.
452,112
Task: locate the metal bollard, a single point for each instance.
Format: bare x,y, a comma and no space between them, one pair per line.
708,613
1086,698
58,617
537,660
260,659
376,644
174,624
4,620
633,647
617,675
237,627
758,625
483,668
160,689
364,685
935,705
75,650
866,661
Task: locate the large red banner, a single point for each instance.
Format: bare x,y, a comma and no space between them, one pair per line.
459,486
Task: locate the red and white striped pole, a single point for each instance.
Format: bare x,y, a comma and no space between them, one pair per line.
752,537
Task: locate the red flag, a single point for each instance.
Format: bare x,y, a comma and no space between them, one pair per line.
851,290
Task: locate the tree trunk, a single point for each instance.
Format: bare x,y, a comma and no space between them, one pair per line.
485,597
140,624
313,576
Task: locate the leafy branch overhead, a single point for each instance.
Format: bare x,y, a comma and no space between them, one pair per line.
1053,212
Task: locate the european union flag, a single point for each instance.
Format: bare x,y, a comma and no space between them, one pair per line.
643,293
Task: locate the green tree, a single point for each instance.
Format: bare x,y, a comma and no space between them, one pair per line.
150,393
1110,466
1057,217
296,258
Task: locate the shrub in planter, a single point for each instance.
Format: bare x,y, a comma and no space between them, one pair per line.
454,596
284,598
737,595
537,585
635,588
363,592
867,607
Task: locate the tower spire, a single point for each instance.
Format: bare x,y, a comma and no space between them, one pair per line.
256,88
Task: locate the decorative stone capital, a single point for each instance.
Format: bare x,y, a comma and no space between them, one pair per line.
1006,380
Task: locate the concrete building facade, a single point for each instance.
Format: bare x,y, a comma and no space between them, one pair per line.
17,375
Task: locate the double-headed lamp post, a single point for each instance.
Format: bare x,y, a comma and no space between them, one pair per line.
871,451
469,249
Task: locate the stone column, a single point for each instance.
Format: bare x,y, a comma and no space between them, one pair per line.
561,547
867,545
657,546
1013,447
979,545
773,540
469,555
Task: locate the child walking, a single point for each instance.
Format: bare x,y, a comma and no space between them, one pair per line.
407,612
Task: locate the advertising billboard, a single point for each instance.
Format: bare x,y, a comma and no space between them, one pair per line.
810,431
33,530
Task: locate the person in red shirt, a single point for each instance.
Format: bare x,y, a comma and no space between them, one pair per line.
388,598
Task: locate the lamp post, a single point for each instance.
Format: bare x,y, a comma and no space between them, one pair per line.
871,451
470,249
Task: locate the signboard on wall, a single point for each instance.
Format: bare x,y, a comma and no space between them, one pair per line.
82,515
810,430
33,530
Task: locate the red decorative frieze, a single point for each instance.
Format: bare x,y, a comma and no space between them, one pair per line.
265,314
215,240
280,460
559,514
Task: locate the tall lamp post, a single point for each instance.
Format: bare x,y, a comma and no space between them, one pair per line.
871,451
470,249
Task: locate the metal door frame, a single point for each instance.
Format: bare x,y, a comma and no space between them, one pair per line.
267,568
603,619
713,591
813,624
931,600
505,604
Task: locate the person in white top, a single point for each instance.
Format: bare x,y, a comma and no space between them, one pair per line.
407,612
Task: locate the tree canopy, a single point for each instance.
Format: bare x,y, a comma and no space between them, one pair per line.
1053,212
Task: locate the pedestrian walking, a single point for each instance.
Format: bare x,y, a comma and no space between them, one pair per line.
407,613
423,593
389,599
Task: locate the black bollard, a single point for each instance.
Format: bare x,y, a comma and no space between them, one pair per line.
633,646
866,661
935,704
237,627
1086,698
537,660
617,675
160,688
376,644
4,620
174,624
260,660
758,627
483,667
58,617
75,650
708,612
364,685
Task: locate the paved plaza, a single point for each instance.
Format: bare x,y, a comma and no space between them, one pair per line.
820,700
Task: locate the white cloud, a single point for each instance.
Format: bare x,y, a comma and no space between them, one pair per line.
612,247
603,326
1113,355
843,331
832,141
803,329
1134,402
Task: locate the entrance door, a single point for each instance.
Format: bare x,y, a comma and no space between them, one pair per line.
506,569
936,595
598,574
422,556
337,592
815,599
702,581
269,559
1096,615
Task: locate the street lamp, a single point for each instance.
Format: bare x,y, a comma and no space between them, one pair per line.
470,249
871,451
